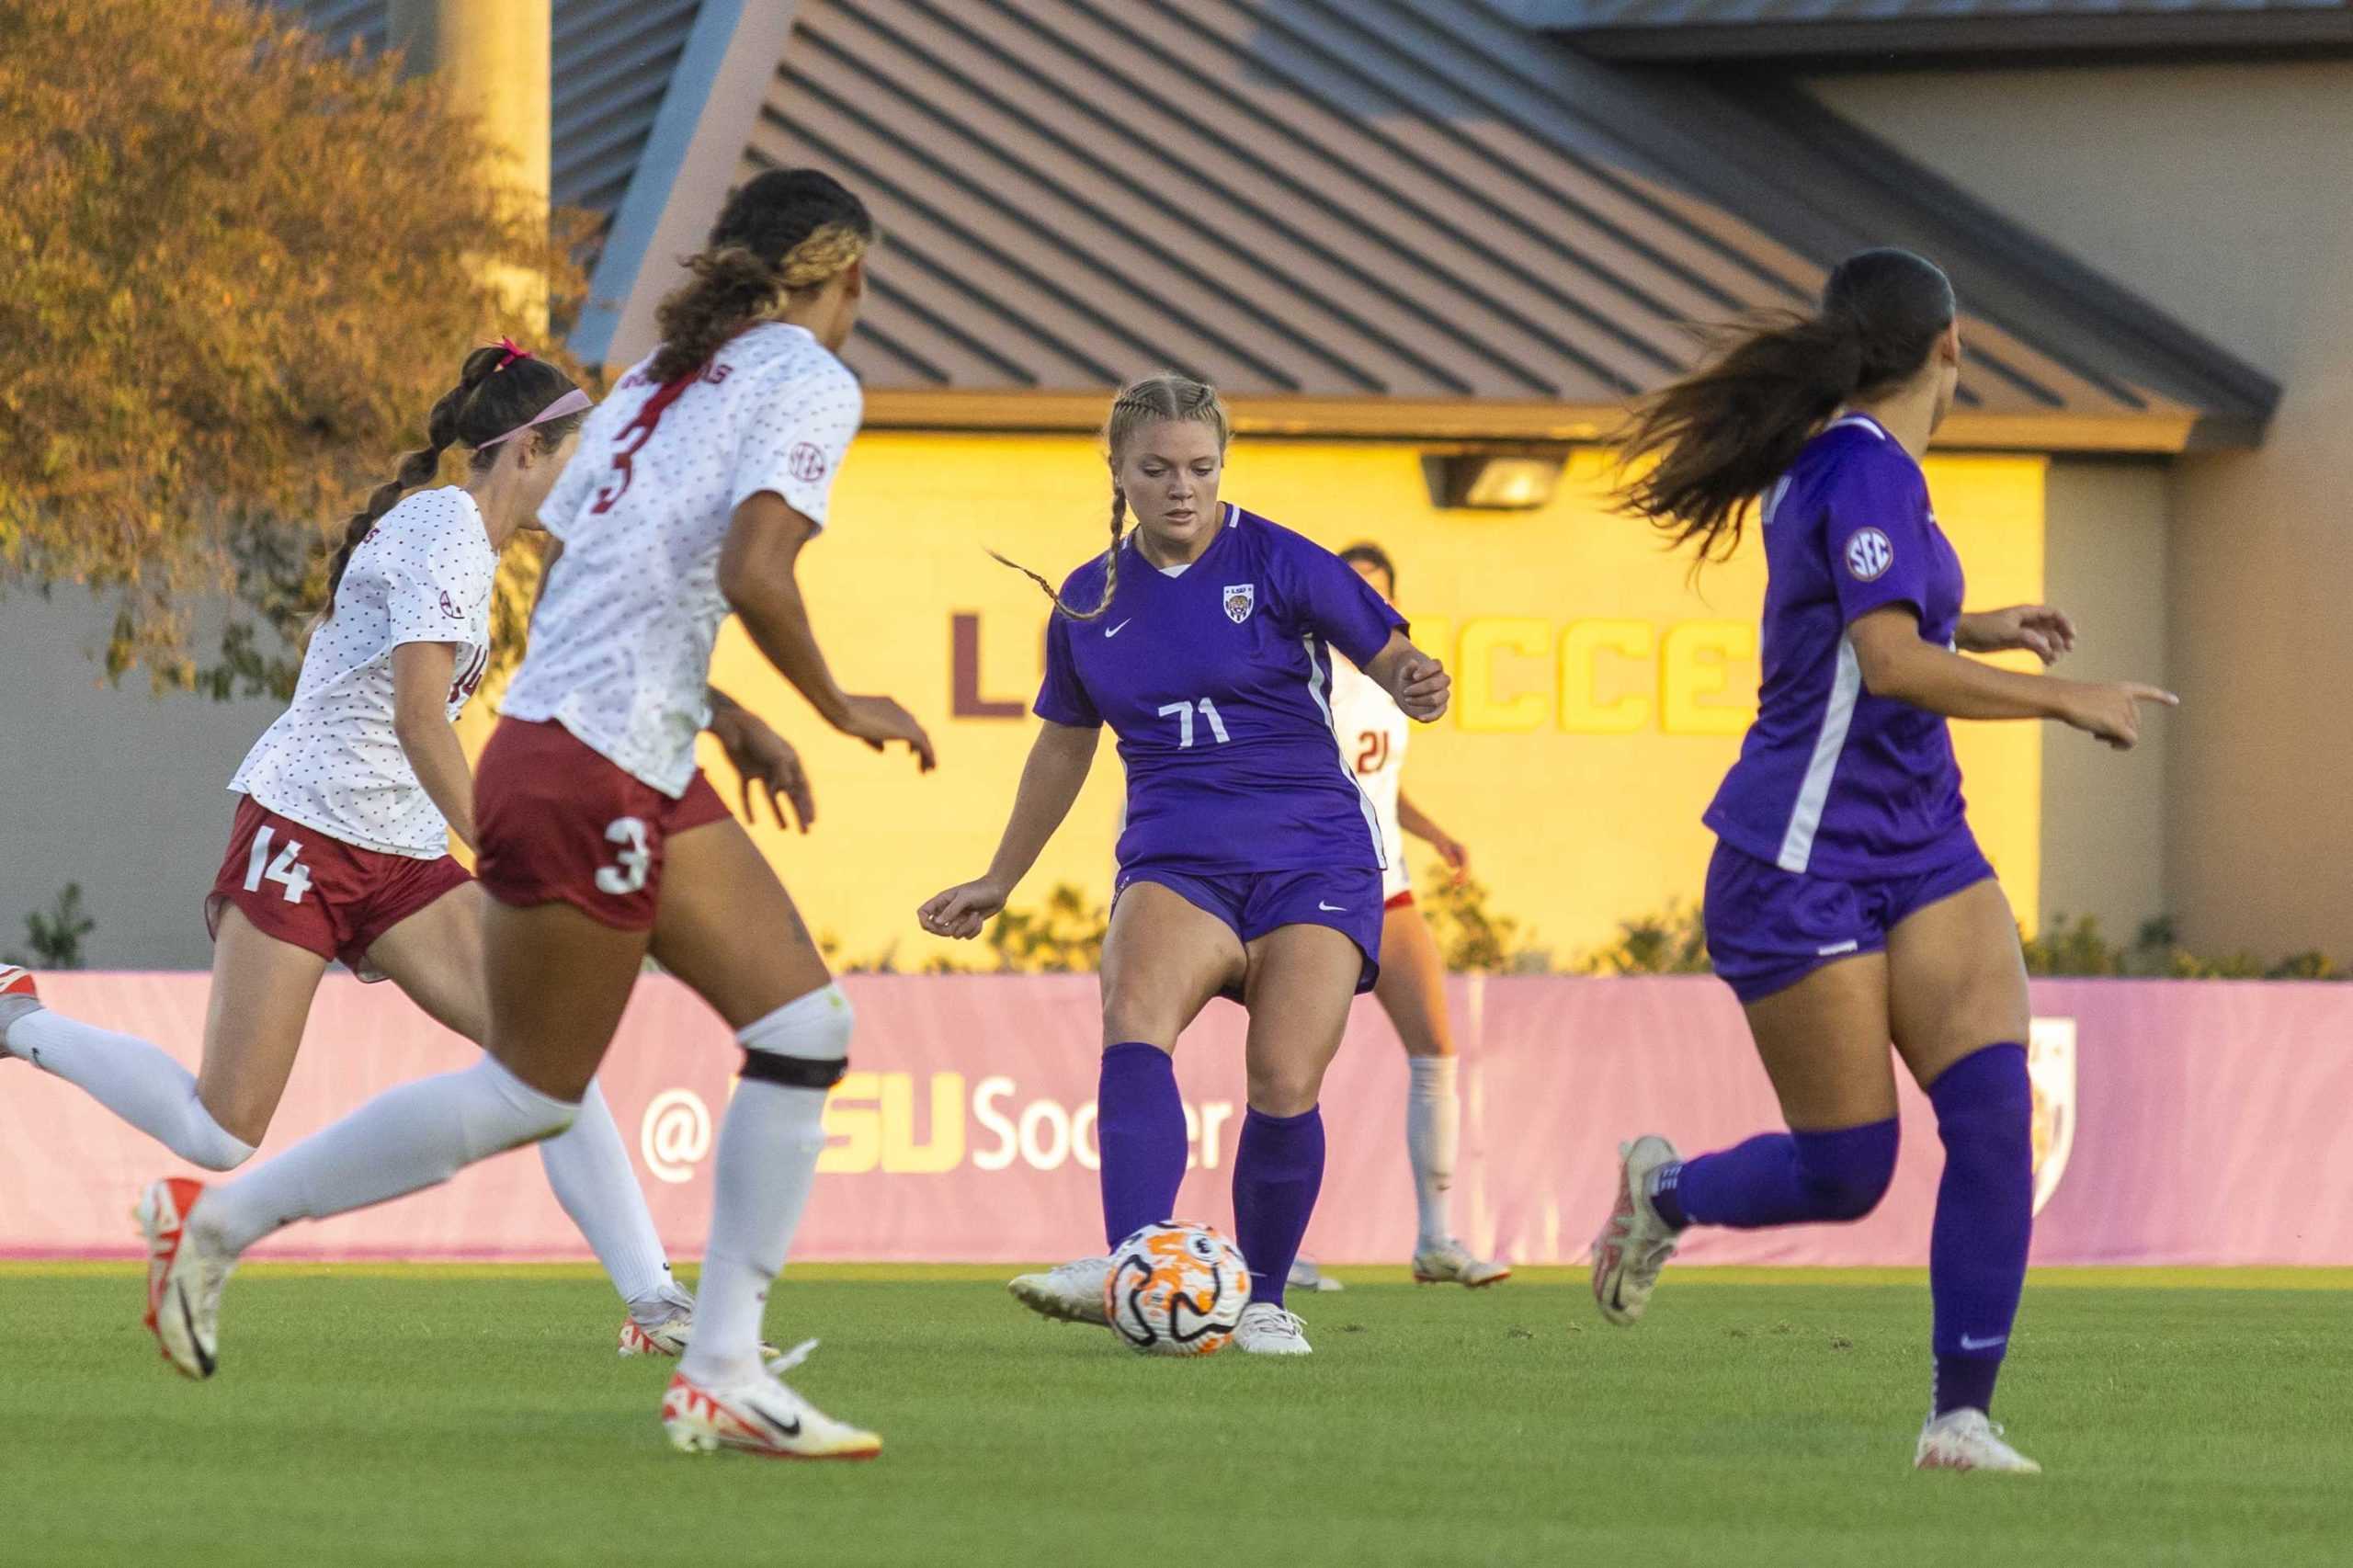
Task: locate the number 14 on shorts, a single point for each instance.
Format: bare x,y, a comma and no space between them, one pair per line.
287,871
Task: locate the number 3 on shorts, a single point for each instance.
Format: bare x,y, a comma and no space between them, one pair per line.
287,870
628,872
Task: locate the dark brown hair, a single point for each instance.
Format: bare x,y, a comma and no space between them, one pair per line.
781,233
1721,435
1372,555
496,390
1167,395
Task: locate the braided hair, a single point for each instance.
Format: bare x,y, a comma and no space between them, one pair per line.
1166,396
782,233
499,388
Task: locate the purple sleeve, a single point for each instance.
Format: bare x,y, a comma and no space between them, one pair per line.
1323,595
1062,697
1875,530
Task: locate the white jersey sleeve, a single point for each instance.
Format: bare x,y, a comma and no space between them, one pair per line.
1373,732
796,440
433,585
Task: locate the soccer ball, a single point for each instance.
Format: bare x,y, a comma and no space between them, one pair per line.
1175,1288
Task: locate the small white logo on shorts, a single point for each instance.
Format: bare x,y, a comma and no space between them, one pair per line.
1331,908
1868,555
1835,950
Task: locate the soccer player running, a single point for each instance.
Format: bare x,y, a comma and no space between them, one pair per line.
340,846
695,488
1412,989
1847,904
1249,867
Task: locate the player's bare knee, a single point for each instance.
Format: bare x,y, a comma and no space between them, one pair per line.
1283,1089
803,1044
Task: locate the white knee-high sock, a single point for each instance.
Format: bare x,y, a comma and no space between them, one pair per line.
768,1158
415,1136
588,1167
1433,1131
135,1080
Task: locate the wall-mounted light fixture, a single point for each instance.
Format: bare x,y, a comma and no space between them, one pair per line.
1494,479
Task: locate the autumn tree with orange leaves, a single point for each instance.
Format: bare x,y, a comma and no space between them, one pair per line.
238,270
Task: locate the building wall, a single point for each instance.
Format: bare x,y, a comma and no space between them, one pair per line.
2108,163
117,790
2104,813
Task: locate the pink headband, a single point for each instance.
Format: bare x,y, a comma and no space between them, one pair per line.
572,402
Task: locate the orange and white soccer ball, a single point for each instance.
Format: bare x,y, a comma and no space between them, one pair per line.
1175,1288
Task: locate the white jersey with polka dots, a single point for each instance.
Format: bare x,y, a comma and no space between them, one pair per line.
1373,732
621,644
424,573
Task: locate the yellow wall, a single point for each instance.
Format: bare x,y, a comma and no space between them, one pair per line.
1578,812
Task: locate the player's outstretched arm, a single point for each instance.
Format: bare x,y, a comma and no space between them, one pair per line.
1415,681
1417,821
1897,662
423,674
1058,761
757,566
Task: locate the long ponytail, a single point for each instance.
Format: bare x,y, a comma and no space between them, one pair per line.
1718,438
782,232
499,388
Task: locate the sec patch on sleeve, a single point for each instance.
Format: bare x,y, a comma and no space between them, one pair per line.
1868,555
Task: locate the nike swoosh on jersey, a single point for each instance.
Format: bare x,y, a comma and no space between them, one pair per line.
1331,908
1114,630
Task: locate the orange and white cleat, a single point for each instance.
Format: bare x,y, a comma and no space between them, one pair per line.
18,996
184,1278
757,1414
1635,1244
668,1337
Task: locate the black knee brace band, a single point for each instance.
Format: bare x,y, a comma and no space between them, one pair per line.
794,1071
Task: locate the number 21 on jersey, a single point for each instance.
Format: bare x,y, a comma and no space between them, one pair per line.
1183,713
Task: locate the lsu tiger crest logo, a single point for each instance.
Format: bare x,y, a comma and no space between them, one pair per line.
2051,1069
1240,599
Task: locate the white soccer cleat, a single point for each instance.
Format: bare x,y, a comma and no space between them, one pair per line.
1267,1329
1965,1440
1071,1292
1452,1263
1305,1276
757,1414
17,997
184,1278
1635,1244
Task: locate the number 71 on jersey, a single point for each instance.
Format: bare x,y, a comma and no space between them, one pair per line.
1183,713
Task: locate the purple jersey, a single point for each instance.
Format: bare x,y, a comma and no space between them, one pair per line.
1217,681
1831,779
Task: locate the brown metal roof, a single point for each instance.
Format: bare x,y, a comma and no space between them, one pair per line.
1361,211
1900,31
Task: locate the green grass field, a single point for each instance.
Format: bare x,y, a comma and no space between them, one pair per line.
475,1415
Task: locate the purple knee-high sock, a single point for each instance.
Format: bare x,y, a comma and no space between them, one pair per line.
1140,1126
1278,1170
1985,1218
1780,1178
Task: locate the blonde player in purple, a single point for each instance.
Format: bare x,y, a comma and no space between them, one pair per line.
1250,866
1848,904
